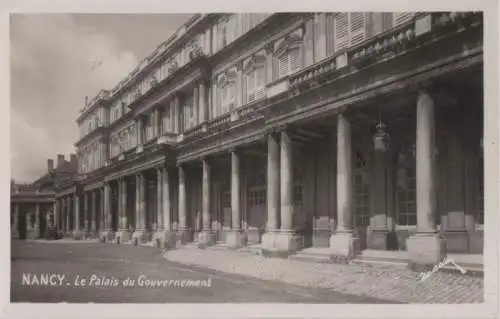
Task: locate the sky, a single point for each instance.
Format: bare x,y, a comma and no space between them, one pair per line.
58,59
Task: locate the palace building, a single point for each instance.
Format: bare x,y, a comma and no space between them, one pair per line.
349,131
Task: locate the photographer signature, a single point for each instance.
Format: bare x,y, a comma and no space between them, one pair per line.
424,275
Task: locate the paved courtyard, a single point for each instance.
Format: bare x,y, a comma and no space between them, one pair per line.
56,271
385,282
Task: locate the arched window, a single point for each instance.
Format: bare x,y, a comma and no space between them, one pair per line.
406,187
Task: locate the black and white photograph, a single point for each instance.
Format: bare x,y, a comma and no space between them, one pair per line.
290,157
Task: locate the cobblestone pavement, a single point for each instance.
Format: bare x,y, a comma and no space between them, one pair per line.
82,260
385,282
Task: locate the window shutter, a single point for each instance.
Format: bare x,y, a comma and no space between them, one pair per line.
402,17
260,80
330,35
341,31
387,21
283,65
358,27
295,62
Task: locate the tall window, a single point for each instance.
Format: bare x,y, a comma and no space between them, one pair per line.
226,92
188,109
289,62
350,29
148,126
406,189
255,81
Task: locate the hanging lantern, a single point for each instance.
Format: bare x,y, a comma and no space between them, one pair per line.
381,138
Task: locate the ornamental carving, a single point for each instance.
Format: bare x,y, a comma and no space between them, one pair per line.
227,77
290,41
255,61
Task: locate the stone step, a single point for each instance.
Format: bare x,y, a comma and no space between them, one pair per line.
398,264
252,250
315,258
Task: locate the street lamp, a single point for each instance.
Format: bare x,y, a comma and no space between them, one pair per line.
381,137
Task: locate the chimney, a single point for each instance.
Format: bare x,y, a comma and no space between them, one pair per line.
73,159
50,165
60,160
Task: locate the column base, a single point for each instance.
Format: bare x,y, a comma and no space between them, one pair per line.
183,237
206,239
377,238
106,236
235,239
321,237
165,239
457,241
122,236
281,242
93,231
14,234
138,237
344,247
425,250
30,234
77,235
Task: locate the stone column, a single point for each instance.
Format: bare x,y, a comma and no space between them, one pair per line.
426,247
77,234
184,234
102,215
206,237
343,244
37,221
68,212
94,215
139,235
122,235
235,238
15,222
85,215
377,235
159,199
164,237
107,234
273,191
56,208
287,240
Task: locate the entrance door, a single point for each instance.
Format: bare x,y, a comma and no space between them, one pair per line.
256,217
225,214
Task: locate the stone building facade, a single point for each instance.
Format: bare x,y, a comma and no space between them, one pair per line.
347,130
32,204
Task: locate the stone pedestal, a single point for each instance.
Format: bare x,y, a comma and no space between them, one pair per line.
184,237
206,239
344,247
122,236
455,231
235,239
281,242
93,230
426,249
165,239
106,236
377,238
138,237
77,234
30,233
